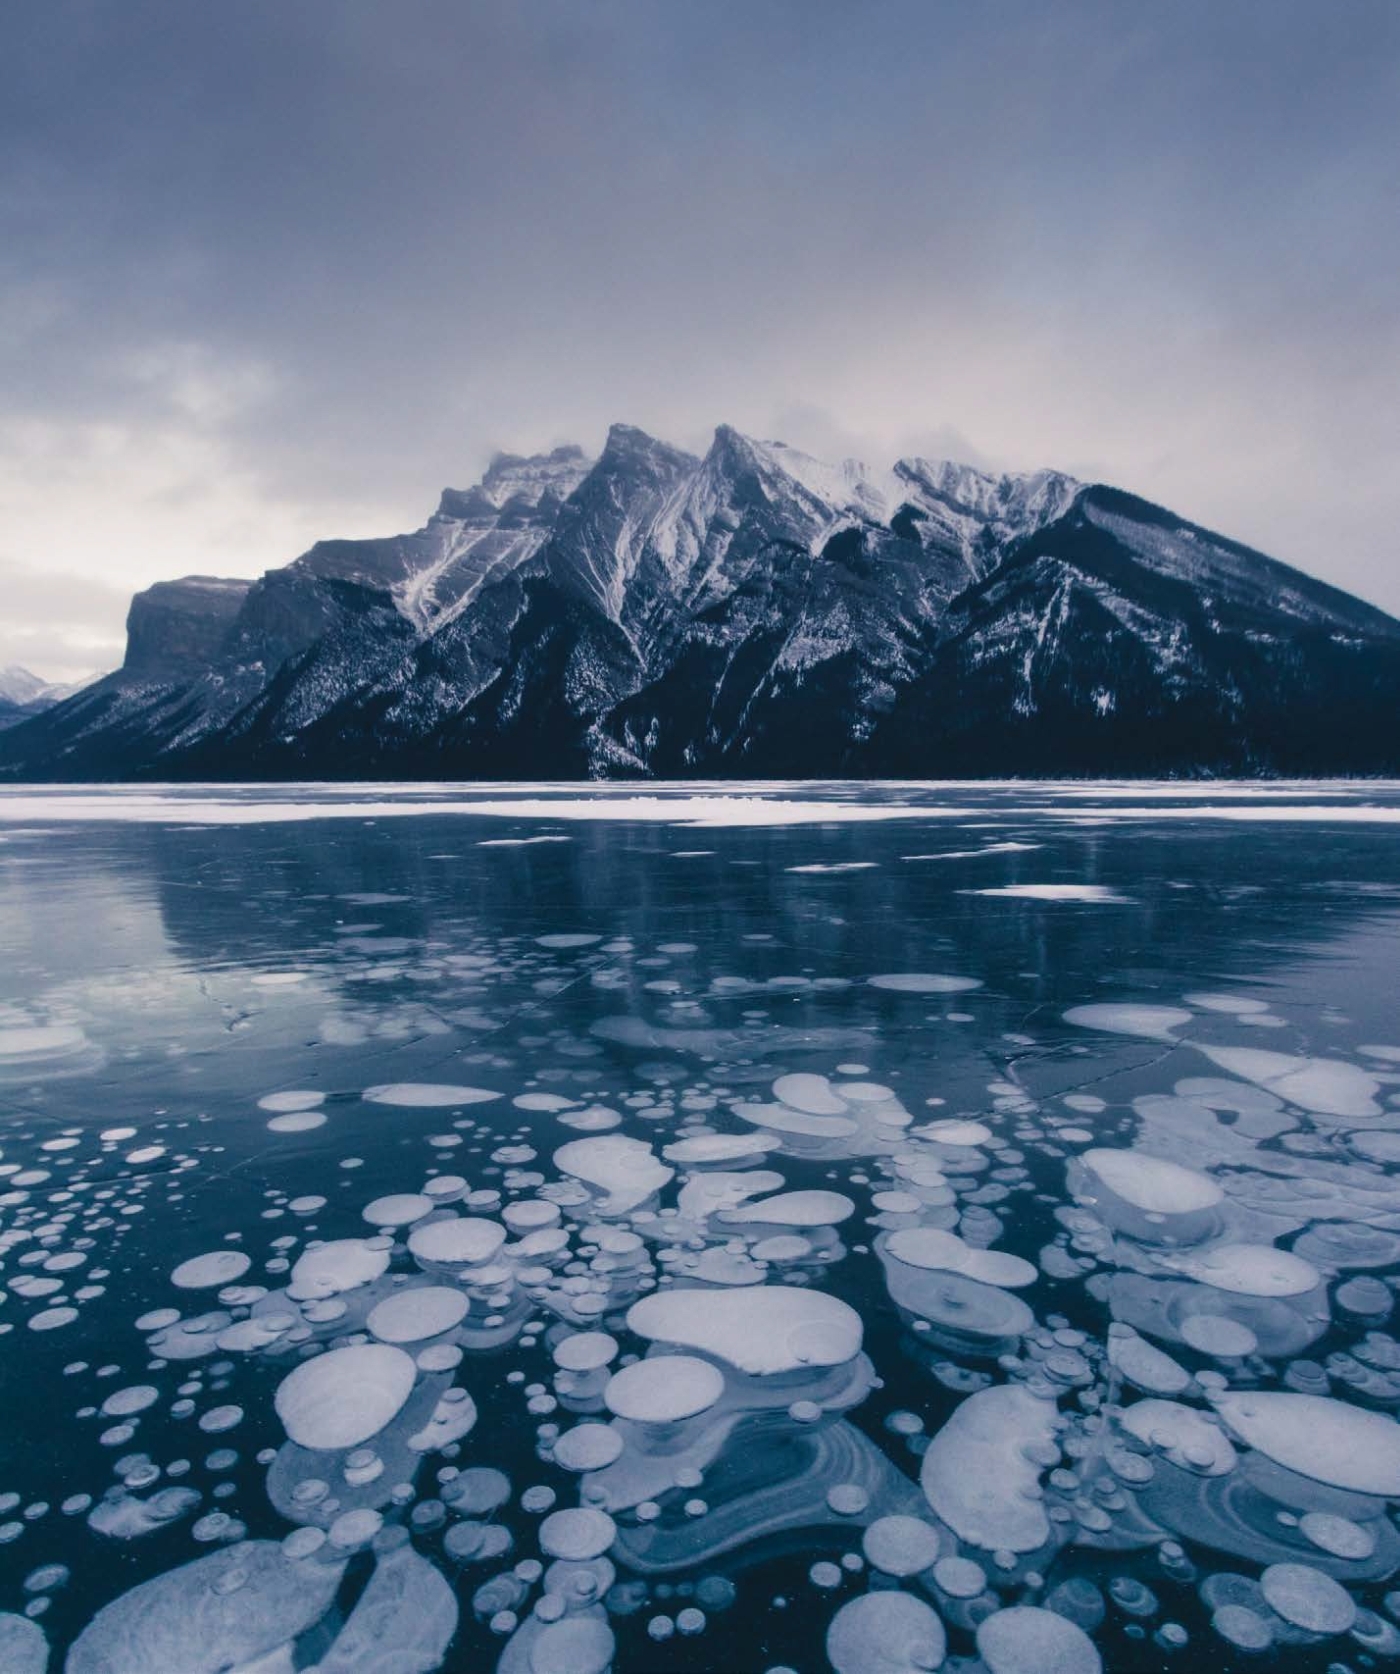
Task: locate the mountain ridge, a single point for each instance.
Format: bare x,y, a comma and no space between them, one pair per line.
750,612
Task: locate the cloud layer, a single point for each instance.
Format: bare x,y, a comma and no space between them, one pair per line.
273,272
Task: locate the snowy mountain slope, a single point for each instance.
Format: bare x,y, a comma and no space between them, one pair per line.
754,611
1121,639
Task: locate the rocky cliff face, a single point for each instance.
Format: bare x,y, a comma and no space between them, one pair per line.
753,612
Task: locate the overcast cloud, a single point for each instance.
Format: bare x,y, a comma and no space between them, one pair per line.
280,269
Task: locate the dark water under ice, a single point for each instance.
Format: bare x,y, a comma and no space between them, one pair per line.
1049,1265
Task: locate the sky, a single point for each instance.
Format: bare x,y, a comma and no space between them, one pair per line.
278,270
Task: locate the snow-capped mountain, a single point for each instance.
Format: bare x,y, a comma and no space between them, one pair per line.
23,694
752,612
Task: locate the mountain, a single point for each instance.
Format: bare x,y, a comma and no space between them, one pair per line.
751,613
23,694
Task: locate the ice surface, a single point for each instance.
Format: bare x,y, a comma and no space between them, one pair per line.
1199,1349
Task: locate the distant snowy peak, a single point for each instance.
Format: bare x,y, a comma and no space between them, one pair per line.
23,694
18,685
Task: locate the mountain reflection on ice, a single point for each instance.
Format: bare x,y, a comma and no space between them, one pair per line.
524,1241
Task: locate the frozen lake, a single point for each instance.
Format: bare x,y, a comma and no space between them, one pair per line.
743,1229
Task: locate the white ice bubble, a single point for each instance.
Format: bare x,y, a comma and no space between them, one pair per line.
426,1095
397,1209
233,1609
1218,1335
923,982
1151,1183
811,1093
1325,1440
930,1247
122,1403
715,1148
289,1101
951,1131
576,1644
1247,1269
578,1533
298,1121
1325,1086
1235,1005
218,1267
1027,1640
344,1396
978,1474
414,1314
805,1209
1336,1535
781,1119
1087,894
900,1545
330,1269
885,1632
663,1389
1376,1145
762,1330
23,1647
1144,1365
624,1169
1186,1436
1151,1022
461,1241
585,1351
818,866
588,1447
1308,1598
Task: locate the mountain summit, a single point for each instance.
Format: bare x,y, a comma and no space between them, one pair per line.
752,613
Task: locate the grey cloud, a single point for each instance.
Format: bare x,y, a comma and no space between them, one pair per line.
349,249
59,624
